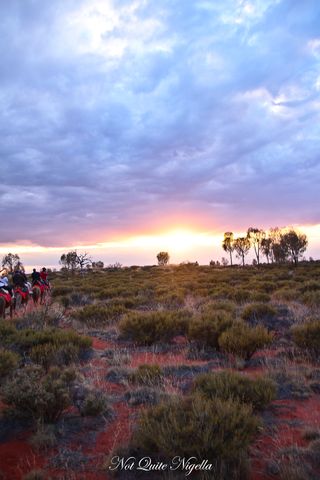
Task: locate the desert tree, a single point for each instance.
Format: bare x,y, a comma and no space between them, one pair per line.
163,258
228,244
11,262
294,243
99,265
242,246
83,259
279,251
69,260
256,236
266,248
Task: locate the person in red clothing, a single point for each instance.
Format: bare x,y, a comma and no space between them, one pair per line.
44,277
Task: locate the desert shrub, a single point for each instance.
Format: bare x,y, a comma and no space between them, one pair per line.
49,354
221,305
291,384
44,438
311,299
171,300
267,287
257,311
150,327
310,286
117,357
220,430
93,315
286,294
8,362
7,333
37,395
94,404
206,329
28,338
260,297
64,290
240,295
230,385
148,375
307,336
243,341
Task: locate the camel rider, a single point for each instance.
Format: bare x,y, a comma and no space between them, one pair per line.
36,278
44,277
20,280
4,285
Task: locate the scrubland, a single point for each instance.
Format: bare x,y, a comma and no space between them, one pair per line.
215,363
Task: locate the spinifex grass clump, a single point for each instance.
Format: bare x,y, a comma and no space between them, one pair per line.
8,362
243,341
148,375
217,430
37,395
311,299
240,295
93,315
206,329
146,328
231,385
308,336
258,311
47,347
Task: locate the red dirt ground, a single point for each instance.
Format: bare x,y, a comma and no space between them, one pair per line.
17,457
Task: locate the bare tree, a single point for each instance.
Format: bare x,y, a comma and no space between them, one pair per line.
228,244
242,247
83,259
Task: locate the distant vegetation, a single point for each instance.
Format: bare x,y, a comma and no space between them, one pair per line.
277,245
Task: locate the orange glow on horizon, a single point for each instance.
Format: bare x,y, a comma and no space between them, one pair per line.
177,240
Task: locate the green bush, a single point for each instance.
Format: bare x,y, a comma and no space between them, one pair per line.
217,429
260,297
37,395
95,403
148,375
206,329
230,385
49,354
7,333
243,341
311,299
240,295
8,362
28,338
93,315
57,291
308,336
310,286
258,311
285,294
150,327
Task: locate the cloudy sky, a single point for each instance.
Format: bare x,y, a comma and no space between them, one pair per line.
129,118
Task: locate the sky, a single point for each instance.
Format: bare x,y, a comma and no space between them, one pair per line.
134,126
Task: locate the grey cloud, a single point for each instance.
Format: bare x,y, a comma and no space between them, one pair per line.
93,145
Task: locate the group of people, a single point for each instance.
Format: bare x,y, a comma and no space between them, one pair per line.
20,280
